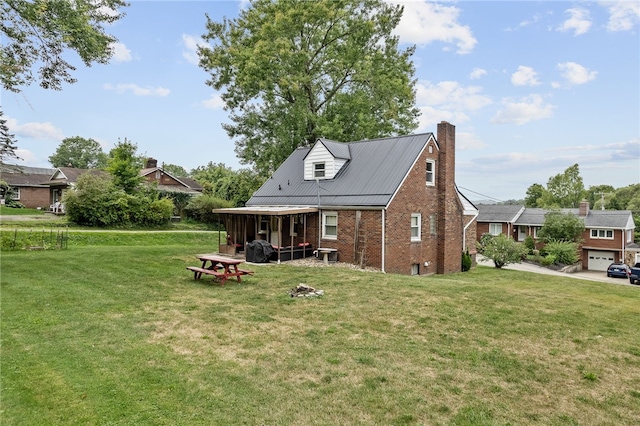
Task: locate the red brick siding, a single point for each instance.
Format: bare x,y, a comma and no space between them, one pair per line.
33,197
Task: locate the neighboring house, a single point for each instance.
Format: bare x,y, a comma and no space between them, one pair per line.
388,203
64,178
167,182
607,238
28,185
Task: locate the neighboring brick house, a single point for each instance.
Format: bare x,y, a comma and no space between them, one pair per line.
28,185
167,182
607,238
388,203
65,178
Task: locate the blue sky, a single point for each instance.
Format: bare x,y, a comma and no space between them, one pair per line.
533,87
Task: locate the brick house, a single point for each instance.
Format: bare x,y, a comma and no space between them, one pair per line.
388,203
608,234
28,185
166,181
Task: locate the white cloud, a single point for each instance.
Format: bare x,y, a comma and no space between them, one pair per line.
525,76
120,52
623,15
451,95
137,90
46,131
477,73
190,51
530,108
425,22
214,102
448,101
467,141
579,21
576,74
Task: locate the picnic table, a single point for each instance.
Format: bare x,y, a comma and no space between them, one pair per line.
220,267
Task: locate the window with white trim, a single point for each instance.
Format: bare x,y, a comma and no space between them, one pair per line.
629,235
330,225
13,193
318,170
495,228
431,173
416,227
602,234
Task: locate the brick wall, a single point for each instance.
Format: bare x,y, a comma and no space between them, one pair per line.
413,197
359,233
450,212
34,197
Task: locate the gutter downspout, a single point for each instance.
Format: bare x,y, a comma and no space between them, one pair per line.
384,210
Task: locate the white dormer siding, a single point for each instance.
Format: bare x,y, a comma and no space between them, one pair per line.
319,154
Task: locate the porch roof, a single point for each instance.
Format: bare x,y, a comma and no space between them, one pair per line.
268,210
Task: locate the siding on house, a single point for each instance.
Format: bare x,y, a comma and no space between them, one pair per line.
374,187
515,218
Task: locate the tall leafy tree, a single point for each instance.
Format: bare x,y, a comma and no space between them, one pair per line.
561,226
598,195
224,183
124,165
564,190
534,193
291,71
36,33
80,153
8,145
174,170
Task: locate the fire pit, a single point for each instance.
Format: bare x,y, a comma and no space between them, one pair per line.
303,290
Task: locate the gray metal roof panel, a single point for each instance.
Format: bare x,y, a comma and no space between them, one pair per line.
337,149
375,171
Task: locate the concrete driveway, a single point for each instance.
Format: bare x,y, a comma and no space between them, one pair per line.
599,276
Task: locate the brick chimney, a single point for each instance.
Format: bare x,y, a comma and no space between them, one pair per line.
152,163
450,214
583,211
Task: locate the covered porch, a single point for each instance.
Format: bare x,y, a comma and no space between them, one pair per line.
290,230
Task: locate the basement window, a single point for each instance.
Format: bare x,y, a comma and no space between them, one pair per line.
415,269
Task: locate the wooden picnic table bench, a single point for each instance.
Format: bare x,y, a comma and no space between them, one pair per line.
220,267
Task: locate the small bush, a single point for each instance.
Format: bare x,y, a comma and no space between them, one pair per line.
503,251
563,252
466,261
530,244
548,260
200,208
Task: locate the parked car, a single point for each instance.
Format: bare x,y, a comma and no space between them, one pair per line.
634,275
620,270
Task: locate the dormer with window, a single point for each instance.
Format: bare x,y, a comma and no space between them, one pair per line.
325,159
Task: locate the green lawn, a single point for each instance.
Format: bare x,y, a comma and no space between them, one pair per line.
8,211
115,331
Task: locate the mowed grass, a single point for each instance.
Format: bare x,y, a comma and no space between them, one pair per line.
122,335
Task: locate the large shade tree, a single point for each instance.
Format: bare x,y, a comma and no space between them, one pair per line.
36,33
80,153
7,142
291,71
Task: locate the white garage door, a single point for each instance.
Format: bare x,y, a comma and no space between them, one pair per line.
600,260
